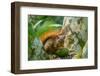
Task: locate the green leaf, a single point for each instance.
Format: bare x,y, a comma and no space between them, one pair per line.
47,26
62,52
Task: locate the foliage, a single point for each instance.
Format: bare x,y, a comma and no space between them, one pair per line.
37,25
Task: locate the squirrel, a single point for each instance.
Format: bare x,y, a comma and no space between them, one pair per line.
53,40
52,44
